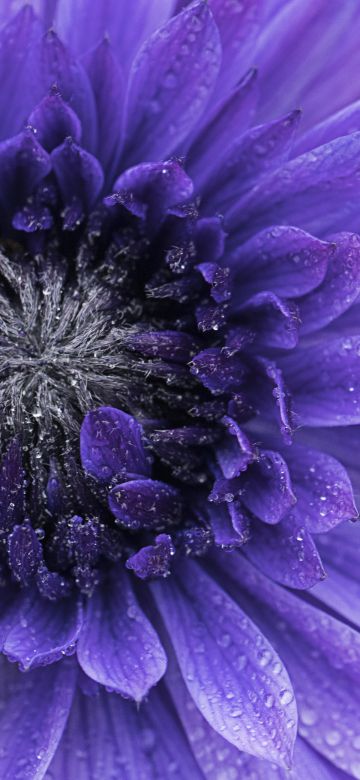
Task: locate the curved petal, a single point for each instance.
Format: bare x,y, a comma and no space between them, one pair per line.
16,75
118,647
317,649
324,380
339,289
286,552
285,259
44,631
171,80
82,25
214,640
34,711
319,191
111,444
107,737
107,82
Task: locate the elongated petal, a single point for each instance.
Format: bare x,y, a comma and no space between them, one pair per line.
287,261
44,632
122,741
266,487
55,66
23,165
172,77
16,76
82,26
34,713
213,142
316,648
324,380
107,82
79,174
54,120
214,640
238,23
118,646
260,150
318,190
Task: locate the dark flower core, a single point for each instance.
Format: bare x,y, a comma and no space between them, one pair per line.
110,316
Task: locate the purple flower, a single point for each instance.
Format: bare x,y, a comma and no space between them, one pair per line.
179,391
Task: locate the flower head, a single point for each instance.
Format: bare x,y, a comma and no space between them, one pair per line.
179,349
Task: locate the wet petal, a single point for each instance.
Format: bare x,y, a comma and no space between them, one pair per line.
145,503
118,647
287,261
111,444
324,381
286,552
44,632
34,712
214,641
339,289
171,80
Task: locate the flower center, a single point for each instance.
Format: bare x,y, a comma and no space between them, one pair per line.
109,322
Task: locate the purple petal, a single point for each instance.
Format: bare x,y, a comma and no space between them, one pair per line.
318,43
318,190
344,122
282,407
79,174
339,289
150,189
238,23
225,534
214,641
171,81
145,503
56,67
324,380
234,453
322,487
341,589
23,164
111,444
107,84
218,279
307,764
210,239
274,321
16,75
153,560
118,646
218,371
231,119
266,488
83,28
170,345
286,260
34,711
260,150
212,752
43,632
53,120
107,737
317,649
286,552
